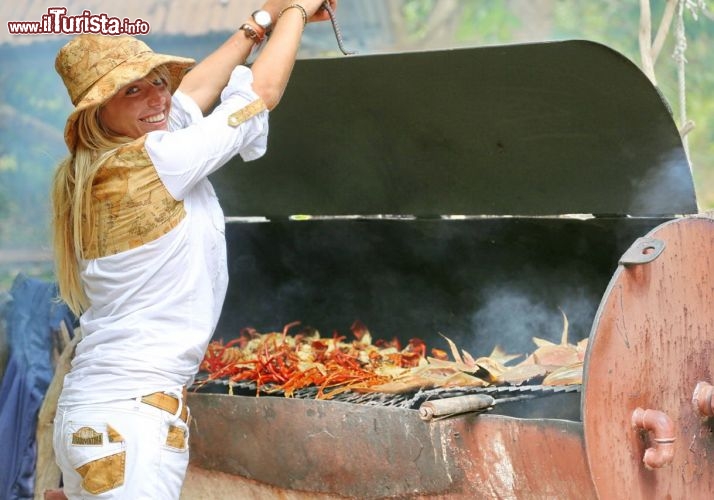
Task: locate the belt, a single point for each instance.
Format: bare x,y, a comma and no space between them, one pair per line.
168,403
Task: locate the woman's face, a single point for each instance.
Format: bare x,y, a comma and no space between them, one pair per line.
138,108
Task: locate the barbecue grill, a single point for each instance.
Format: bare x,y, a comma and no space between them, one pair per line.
481,194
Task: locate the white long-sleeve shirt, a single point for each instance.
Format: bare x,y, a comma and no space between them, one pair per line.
154,307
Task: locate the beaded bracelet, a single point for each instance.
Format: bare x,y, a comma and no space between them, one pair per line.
300,8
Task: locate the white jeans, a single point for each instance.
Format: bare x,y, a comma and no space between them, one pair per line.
120,450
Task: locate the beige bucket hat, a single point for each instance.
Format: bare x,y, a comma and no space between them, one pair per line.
95,67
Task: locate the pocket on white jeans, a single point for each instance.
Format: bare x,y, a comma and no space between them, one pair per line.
176,435
98,453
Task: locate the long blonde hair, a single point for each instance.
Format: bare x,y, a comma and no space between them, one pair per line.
72,207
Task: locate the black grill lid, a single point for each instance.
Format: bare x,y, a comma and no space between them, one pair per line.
535,129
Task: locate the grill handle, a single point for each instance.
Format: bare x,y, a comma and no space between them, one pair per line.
437,409
657,422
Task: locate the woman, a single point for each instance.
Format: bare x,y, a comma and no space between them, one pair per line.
139,237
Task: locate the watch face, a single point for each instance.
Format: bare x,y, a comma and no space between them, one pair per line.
262,17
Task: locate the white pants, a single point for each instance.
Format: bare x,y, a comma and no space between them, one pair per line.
120,450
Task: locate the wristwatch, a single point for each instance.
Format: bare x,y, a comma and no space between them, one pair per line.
263,19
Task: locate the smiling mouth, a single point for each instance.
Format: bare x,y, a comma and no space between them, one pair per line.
155,118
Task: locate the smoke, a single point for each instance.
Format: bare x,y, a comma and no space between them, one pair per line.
667,187
478,282
512,317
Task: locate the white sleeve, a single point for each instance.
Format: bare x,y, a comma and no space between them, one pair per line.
184,111
186,156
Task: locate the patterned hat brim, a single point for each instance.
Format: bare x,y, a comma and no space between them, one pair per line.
135,68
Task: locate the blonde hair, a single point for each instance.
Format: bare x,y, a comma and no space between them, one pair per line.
72,207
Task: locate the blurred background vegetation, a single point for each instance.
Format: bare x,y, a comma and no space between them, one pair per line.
34,104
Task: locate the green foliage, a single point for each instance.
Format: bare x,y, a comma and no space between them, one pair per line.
492,24
416,13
